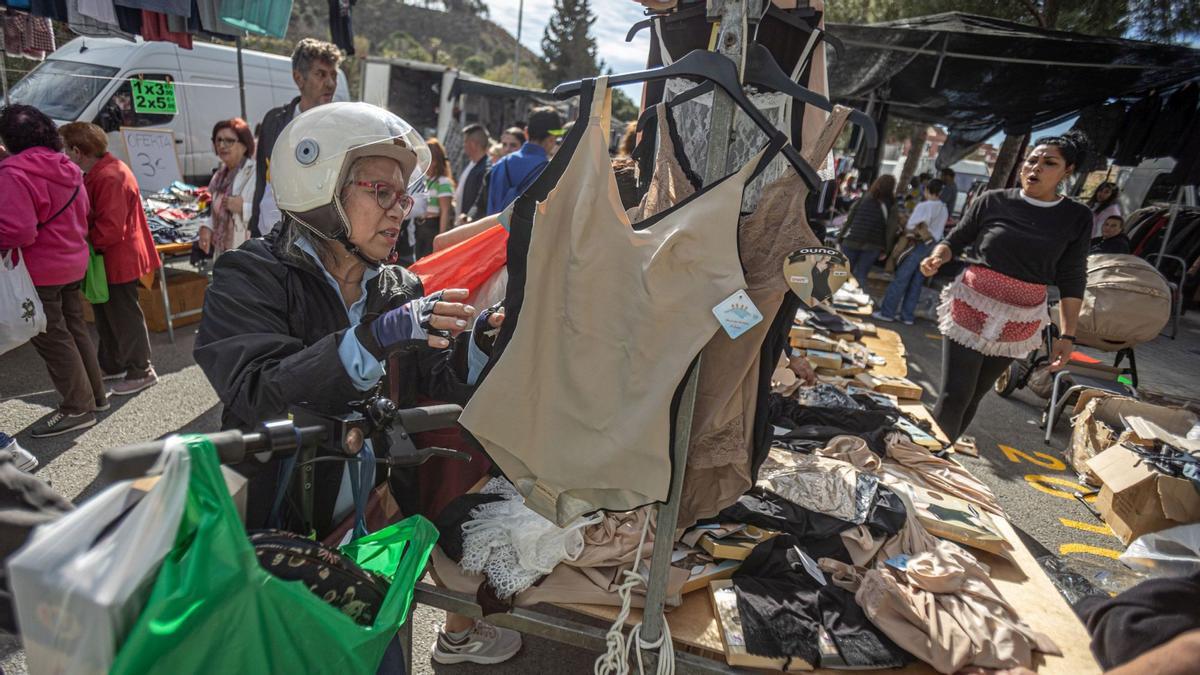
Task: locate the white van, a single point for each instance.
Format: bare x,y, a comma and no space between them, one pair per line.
87,80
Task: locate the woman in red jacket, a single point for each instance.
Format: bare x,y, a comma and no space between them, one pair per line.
117,229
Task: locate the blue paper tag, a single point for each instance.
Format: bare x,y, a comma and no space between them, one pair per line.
900,562
737,314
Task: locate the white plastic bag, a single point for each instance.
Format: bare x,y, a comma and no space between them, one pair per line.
21,313
1174,552
79,584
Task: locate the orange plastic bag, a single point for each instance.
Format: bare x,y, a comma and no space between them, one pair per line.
467,264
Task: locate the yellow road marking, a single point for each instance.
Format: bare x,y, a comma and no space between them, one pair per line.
1065,549
1042,459
1086,527
1045,484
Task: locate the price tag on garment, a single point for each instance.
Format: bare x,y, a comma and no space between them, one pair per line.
153,96
737,314
900,562
810,565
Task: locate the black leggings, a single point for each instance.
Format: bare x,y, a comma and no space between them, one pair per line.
967,375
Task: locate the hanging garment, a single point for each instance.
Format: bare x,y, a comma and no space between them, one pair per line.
155,28
784,609
1136,129
735,373
175,7
341,31
82,23
576,409
27,36
264,17
209,14
49,9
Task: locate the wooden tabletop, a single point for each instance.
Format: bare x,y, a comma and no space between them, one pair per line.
174,248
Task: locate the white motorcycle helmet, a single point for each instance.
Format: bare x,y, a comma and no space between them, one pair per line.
316,149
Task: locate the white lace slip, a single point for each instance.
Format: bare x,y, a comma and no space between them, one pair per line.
514,546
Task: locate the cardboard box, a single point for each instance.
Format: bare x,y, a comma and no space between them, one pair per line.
1135,499
186,291
951,517
900,387
801,332
1098,426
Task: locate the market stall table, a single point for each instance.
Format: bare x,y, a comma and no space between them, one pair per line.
172,251
694,628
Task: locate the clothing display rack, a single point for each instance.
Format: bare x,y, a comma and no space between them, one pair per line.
1185,197
732,16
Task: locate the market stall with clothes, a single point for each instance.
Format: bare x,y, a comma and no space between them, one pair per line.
812,525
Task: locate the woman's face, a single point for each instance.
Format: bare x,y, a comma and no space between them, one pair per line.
1103,193
510,143
228,148
1043,169
374,229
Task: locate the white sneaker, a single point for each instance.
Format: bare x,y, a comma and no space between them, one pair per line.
22,458
484,643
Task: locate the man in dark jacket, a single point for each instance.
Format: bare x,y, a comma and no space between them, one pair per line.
315,71
470,181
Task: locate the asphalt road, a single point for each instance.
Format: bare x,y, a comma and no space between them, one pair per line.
1030,478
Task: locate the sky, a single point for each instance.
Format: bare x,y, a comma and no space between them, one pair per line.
613,19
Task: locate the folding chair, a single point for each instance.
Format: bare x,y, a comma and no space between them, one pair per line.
1083,376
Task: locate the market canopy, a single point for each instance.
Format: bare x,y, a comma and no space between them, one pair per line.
976,73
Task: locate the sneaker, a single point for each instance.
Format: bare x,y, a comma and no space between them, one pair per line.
102,405
114,376
484,643
880,316
60,422
909,322
129,387
24,459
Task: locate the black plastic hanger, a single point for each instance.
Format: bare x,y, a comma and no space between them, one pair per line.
695,92
762,70
720,70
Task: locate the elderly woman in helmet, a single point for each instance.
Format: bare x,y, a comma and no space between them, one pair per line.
311,313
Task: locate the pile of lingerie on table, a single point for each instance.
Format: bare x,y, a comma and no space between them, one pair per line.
847,562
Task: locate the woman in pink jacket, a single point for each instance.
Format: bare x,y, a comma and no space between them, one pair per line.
43,212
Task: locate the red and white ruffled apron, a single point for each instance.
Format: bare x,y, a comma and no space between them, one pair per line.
993,313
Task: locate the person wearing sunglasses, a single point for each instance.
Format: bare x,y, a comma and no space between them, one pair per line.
313,315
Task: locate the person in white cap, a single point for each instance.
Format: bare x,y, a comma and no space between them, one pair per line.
311,313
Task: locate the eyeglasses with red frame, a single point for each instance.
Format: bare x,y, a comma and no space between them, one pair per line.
387,196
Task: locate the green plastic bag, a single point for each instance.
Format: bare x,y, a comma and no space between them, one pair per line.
213,609
95,282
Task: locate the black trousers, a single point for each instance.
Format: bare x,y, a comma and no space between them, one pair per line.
124,342
967,375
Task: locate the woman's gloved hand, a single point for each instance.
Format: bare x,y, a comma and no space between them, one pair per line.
487,327
432,320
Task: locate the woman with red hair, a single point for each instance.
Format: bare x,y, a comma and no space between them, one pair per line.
231,187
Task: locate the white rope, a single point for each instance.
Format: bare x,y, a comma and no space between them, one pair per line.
615,660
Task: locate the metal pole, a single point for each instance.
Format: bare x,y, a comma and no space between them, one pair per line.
732,14
1187,197
517,48
241,78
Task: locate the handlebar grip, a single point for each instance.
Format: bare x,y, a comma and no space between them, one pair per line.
428,418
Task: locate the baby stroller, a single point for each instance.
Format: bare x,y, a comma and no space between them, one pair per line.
1126,302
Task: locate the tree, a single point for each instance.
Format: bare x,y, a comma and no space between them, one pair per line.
568,48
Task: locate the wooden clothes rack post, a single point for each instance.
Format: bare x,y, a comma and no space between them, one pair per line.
732,16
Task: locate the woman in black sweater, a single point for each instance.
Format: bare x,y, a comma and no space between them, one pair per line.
864,237
1023,240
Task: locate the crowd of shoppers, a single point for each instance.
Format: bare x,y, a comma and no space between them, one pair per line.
63,191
